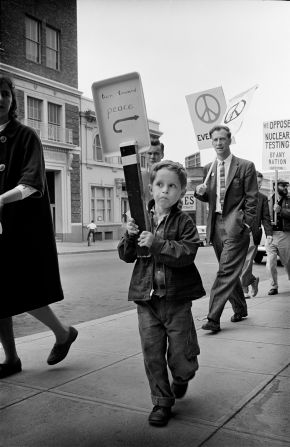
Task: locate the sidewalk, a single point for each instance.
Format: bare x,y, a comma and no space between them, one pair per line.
67,248
99,396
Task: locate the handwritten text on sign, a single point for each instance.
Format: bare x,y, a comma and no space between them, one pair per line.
276,150
121,112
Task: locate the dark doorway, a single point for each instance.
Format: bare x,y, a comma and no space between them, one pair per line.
50,177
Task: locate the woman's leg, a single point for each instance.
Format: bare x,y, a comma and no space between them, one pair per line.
49,319
7,340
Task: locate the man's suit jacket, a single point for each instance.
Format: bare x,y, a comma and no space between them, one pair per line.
262,218
241,197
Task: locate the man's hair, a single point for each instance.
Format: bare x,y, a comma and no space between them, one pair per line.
171,166
220,127
6,80
155,142
259,174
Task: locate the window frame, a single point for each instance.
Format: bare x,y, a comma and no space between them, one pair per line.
32,41
104,210
52,50
97,149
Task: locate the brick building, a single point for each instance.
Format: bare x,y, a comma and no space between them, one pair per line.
38,49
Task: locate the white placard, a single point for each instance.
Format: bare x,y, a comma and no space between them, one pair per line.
121,112
206,110
276,145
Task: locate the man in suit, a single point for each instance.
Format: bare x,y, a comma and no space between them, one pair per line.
232,193
262,218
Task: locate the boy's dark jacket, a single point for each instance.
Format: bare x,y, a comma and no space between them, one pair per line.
176,252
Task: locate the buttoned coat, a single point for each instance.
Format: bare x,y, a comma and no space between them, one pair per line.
241,197
28,258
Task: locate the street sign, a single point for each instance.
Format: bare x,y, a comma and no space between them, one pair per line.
121,113
276,147
206,110
189,201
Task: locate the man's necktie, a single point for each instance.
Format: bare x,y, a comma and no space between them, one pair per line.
222,182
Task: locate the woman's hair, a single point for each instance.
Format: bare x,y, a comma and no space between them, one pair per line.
6,80
171,166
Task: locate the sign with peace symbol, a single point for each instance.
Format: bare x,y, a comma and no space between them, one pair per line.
207,108
235,111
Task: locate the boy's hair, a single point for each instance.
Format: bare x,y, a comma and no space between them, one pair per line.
6,80
171,166
220,127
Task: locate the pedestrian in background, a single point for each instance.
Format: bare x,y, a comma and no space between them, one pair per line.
280,244
163,286
232,193
30,279
155,154
248,280
92,227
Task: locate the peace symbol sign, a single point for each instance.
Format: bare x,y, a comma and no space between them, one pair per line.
207,108
235,111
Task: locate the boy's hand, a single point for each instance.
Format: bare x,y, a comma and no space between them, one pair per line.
132,228
145,239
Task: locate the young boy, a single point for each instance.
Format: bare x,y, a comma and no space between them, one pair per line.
163,286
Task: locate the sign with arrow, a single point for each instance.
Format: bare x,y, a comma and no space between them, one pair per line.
121,113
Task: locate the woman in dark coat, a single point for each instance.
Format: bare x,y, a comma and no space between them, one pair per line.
29,271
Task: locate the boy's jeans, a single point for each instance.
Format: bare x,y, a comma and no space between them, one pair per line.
167,329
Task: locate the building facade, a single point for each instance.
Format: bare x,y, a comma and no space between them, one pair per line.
38,47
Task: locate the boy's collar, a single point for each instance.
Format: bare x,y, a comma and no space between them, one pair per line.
151,206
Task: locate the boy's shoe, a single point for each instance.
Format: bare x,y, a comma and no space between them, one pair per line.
254,286
179,390
211,326
159,416
60,350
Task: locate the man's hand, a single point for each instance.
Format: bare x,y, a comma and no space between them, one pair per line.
200,189
277,208
145,239
269,240
132,228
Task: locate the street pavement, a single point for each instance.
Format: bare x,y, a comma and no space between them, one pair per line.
99,395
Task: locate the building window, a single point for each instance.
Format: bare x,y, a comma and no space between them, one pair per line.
97,149
34,113
32,37
101,204
54,121
193,161
52,48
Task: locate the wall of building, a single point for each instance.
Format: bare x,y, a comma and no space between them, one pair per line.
58,14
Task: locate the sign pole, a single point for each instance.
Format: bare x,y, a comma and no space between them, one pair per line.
276,195
134,186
